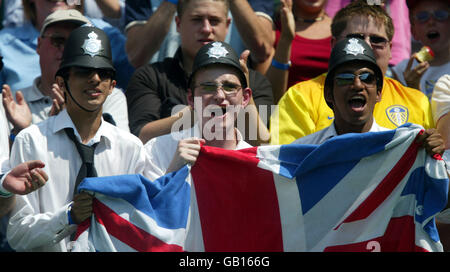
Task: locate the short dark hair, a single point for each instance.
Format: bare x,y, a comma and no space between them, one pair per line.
361,8
181,6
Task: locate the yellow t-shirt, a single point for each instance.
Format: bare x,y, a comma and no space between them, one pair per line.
303,110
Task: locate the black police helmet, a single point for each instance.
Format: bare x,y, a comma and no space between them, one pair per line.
350,50
87,47
217,53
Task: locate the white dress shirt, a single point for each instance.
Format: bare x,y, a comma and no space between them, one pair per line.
160,150
40,105
322,135
39,220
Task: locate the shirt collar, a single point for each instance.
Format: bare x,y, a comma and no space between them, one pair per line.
33,93
241,144
331,130
63,120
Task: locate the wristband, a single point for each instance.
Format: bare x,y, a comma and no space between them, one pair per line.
281,66
3,192
12,137
69,215
175,2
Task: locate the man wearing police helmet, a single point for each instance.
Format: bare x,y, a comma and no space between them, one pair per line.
74,144
352,88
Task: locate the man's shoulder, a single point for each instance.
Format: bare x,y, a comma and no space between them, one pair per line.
396,88
309,88
168,140
121,136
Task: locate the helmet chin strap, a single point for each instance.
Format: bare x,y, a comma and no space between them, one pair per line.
78,104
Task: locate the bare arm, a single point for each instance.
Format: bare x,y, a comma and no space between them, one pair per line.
110,8
143,41
164,126
279,77
443,126
256,31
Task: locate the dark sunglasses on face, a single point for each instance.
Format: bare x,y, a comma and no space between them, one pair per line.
86,72
56,40
438,15
344,79
374,40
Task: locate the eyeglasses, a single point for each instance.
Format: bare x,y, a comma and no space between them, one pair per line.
56,40
228,89
438,15
375,41
86,72
344,79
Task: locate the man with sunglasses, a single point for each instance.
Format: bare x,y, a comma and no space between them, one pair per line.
218,90
430,26
44,98
74,144
303,109
353,86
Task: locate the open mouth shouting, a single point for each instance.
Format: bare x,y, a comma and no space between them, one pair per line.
433,35
357,103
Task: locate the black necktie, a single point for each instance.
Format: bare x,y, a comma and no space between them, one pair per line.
87,168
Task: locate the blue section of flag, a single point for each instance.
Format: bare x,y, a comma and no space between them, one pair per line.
326,165
166,200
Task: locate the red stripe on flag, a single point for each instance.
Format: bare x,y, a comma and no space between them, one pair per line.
82,227
239,208
386,186
398,237
128,233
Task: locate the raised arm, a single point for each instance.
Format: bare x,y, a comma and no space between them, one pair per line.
255,30
144,40
278,72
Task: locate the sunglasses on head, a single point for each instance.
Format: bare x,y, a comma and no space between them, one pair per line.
438,15
86,72
374,39
56,40
344,79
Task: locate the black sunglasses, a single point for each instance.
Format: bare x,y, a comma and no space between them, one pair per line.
344,79
56,40
86,72
374,39
438,15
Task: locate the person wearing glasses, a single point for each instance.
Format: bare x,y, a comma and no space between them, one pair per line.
303,109
44,98
353,86
430,26
74,144
18,44
157,92
218,90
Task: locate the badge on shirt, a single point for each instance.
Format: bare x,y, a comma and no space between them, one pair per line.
217,51
92,46
354,47
397,114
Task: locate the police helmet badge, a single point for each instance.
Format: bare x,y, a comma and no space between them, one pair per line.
397,114
217,51
92,46
354,47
